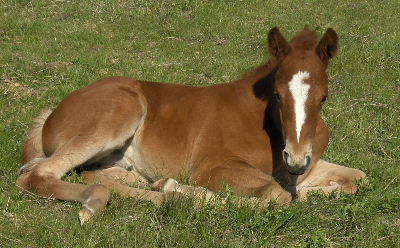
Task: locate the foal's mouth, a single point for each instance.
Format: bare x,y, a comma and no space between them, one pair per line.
297,170
296,173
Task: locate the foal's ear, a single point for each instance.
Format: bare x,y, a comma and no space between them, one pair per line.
277,44
328,46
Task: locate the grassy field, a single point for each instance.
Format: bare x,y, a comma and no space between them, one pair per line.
49,48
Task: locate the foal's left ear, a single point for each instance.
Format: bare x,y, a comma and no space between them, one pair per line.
328,46
277,44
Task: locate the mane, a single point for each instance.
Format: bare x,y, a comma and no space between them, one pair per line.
260,79
258,72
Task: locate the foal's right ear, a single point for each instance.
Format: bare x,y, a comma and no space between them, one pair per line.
328,46
277,44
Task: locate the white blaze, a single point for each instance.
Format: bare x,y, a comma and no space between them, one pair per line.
299,91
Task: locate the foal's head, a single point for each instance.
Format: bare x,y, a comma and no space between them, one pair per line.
301,87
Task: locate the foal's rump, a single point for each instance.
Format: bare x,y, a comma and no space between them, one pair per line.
88,125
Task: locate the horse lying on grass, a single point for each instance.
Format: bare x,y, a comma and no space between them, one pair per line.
262,135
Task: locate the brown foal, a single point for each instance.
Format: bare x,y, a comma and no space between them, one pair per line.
262,135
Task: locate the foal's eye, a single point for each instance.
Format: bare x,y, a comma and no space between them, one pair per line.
277,97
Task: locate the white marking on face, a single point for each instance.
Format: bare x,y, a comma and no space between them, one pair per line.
299,91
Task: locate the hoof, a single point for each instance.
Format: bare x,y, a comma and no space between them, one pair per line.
158,185
85,215
166,185
97,196
172,196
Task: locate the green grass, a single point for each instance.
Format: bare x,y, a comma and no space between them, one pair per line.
49,48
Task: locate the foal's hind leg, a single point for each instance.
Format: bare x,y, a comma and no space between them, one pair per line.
45,177
326,177
87,126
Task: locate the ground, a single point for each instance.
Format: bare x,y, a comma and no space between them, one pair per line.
49,48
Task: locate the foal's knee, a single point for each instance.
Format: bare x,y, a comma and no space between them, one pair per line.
35,183
22,181
358,174
353,176
349,182
38,184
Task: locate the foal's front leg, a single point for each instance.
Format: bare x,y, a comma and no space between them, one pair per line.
327,177
197,193
245,180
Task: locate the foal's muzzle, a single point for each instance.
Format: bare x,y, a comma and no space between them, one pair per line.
296,164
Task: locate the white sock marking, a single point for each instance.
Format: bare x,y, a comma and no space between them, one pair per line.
88,208
299,91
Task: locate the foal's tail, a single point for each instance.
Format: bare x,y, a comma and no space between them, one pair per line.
33,147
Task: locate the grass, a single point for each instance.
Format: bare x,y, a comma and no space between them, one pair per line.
49,48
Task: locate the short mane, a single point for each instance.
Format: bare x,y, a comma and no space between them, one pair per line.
258,72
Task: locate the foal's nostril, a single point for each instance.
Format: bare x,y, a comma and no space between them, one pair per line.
285,156
308,160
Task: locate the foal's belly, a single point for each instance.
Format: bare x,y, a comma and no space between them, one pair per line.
133,157
152,160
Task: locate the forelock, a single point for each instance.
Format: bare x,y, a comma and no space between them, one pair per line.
305,40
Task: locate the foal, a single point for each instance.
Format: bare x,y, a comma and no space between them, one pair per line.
263,134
